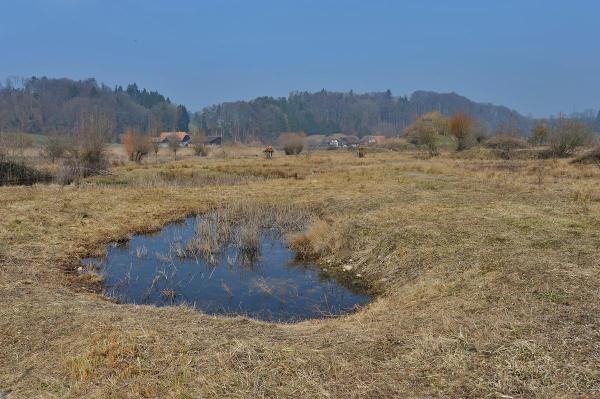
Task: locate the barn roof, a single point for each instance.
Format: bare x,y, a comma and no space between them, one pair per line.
179,135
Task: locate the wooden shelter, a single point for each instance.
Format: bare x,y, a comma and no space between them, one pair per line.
269,152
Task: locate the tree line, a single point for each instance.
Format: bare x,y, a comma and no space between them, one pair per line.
556,138
57,106
326,112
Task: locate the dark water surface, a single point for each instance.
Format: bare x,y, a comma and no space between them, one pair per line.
274,287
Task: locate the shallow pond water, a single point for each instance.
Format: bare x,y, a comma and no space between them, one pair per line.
153,269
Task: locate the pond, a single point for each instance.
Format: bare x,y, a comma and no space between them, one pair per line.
267,284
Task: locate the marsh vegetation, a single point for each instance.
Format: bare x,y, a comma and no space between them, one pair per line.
485,269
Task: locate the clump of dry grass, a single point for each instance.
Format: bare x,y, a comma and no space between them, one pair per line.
241,223
213,231
313,243
248,241
91,274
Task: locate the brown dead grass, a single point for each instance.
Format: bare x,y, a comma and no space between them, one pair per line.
488,276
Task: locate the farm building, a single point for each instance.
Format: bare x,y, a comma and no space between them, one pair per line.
213,140
183,138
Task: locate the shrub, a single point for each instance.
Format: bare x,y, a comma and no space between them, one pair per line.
93,158
94,131
198,142
54,148
155,143
16,173
460,127
480,134
566,136
201,150
292,143
505,144
425,136
427,131
68,172
136,145
174,144
539,134
86,154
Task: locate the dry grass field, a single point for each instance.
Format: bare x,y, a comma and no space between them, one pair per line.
487,274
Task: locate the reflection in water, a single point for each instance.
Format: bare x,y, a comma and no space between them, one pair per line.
266,284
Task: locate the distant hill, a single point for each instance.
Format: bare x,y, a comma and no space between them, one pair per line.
327,112
494,117
55,106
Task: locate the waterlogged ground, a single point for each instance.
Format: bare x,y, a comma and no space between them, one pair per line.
155,269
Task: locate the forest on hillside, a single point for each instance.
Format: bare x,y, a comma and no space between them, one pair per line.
57,106
326,112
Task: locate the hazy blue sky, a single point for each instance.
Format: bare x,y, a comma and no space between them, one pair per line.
538,57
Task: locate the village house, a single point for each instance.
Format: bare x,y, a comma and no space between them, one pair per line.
341,140
333,143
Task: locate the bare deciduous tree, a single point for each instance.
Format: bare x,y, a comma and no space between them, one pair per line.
155,147
174,144
567,135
